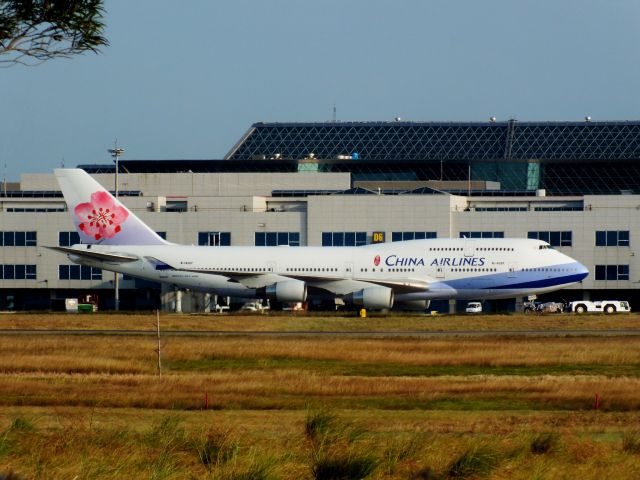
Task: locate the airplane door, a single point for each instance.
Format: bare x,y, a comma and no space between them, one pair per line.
348,269
271,267
469,247
513,267
439,272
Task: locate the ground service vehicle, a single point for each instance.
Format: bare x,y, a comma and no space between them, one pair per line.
547,307
600,306
474,307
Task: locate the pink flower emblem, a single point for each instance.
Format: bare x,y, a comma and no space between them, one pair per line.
376,260
101,217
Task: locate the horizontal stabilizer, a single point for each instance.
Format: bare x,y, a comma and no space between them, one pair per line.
108,257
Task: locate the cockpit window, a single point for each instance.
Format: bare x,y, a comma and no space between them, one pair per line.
545,247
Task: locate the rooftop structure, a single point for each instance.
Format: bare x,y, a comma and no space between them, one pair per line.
563,158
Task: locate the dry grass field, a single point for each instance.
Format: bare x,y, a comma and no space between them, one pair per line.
276,321
293,407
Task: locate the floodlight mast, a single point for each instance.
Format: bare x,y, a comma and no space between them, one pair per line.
116,153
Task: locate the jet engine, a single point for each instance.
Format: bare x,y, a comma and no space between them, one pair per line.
375,298
413,305
287,291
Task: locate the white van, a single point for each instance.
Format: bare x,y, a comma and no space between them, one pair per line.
474,307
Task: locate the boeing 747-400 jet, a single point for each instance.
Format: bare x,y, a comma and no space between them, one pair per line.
374,276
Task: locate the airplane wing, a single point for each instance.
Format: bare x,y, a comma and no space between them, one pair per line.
404,285
108,257
339,285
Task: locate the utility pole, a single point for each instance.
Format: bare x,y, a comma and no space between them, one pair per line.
159,346
116,153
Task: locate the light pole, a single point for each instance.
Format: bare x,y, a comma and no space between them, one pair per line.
116,153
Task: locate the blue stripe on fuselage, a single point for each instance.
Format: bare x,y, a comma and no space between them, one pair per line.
546,282
519,279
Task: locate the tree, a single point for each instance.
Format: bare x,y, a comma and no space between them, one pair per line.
34,31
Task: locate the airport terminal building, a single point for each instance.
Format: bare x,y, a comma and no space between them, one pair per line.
573,184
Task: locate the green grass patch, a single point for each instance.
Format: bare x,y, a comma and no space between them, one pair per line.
459,404
477,461
340,367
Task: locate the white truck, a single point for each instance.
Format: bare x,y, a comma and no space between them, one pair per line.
600,306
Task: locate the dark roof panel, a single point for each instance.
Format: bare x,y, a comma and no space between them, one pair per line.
436,141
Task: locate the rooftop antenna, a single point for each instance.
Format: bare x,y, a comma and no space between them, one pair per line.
334,112
62,163
4,179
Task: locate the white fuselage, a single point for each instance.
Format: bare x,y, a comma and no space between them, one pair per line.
449,268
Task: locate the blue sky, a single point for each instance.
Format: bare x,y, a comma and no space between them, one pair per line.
187,79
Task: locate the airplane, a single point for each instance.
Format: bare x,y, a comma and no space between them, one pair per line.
373,276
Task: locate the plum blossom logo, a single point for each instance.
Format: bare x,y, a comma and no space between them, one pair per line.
100,217
376,260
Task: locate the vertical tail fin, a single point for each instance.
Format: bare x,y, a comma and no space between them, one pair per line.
98,216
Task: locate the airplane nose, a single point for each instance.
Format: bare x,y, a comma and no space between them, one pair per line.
582,271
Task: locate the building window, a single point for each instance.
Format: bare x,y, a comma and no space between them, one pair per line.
481,234
555,239
17,272
18,239
401,236
274,239
344,239
176,206
162,235
501,209
214,239
35,210
67,239
612,272
612,238
78,272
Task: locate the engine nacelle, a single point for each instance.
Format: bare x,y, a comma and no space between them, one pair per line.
375,298
287,291
413,305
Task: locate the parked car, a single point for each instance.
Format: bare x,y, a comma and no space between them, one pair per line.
474,307
255,306
599,306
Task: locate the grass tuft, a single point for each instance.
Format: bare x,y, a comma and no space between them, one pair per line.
544,443
473,462
21,424
631,442
216,447
335,452
258,468
343,467
398,450
319,423
165,432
